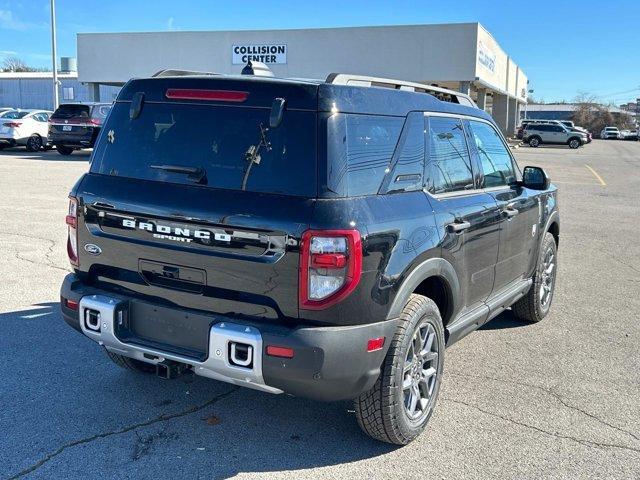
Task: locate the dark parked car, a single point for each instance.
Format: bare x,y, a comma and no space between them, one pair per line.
305,237
76,125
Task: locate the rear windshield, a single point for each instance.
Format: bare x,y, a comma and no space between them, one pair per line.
72,111
13,115
226,143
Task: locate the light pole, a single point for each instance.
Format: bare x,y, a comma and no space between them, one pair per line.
54,54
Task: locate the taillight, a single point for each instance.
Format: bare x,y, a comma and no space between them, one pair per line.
95,121
72,240
330,267
12,124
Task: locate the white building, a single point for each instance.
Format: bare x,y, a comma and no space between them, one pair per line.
463,57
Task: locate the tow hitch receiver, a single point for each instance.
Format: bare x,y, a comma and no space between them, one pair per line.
170,369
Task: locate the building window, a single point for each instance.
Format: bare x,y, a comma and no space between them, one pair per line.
67,93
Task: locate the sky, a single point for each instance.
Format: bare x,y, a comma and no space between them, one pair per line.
565,47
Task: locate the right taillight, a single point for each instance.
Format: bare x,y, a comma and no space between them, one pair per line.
330,267
72,240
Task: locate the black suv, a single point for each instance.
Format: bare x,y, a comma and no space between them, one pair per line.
314,238
76,125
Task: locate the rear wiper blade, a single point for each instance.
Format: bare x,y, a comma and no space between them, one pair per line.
195,174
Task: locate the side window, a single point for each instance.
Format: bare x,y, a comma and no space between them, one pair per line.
409,158
359,149
494,157
449,166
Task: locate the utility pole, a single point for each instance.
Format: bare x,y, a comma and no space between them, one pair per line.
54,54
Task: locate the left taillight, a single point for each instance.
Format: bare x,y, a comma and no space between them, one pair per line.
72,240
330,267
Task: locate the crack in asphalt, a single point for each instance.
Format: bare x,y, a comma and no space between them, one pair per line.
47,256
161,418
554,394
588,443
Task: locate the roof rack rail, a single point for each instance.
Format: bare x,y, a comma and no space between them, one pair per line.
443,94
171,72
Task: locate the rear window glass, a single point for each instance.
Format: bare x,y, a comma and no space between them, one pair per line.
359,151
216,140
15,115
71,111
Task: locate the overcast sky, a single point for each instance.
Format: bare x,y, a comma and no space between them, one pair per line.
563,46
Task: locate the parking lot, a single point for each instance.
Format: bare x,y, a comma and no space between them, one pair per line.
559,399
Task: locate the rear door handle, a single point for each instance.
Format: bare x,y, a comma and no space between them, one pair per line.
458,227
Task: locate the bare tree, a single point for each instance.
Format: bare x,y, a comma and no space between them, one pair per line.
16,64
594,116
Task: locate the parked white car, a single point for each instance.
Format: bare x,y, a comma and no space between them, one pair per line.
24,127
610,132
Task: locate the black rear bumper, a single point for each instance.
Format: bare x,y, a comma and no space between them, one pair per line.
330,363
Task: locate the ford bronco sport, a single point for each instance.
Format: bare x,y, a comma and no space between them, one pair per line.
326,239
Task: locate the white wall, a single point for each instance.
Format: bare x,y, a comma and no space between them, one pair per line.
422,52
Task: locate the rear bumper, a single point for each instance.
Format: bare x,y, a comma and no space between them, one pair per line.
85,141
329,363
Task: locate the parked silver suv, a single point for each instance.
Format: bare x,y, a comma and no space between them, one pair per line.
536,134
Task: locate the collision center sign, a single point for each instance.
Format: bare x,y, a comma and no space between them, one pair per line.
273,53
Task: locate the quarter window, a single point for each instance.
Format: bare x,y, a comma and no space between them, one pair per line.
494,157
360,148
449,165
408,160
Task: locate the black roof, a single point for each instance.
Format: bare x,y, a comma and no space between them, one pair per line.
301,94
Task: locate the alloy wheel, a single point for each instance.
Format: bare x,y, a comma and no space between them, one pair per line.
420,372
547,278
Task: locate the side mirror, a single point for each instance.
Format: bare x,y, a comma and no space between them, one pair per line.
535,178
277,109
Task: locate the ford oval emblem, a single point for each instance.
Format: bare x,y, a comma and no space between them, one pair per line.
92,249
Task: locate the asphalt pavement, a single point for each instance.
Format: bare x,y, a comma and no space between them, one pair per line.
559,399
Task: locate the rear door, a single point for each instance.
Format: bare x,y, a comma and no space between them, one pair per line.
470,216
518,206
195,202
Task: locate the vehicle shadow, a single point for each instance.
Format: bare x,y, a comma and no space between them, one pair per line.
72,409
47,155
503,321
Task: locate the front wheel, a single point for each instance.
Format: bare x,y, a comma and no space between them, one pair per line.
535,305
574,143
34,143
399,406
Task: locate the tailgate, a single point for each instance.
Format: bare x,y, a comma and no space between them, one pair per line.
223,251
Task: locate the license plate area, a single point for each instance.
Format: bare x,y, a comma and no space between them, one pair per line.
67,128
171,330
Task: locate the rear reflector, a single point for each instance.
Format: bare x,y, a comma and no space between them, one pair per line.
71,304
375,344
199,94
283,352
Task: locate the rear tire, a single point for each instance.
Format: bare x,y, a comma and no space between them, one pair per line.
131,363
535,305
34,143
388,412
534,142
62,150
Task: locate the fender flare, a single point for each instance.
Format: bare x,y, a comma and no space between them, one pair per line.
433,267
